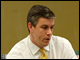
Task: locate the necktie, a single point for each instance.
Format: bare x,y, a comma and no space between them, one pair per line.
44,55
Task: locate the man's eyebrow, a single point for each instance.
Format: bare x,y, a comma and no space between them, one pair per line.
46,25
53,25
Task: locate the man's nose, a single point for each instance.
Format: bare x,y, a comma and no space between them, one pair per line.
49,32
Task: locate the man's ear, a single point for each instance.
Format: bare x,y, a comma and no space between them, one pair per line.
30,27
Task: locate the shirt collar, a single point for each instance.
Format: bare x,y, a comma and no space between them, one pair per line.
35,48
47,48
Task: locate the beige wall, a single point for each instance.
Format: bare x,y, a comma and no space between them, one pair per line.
14,27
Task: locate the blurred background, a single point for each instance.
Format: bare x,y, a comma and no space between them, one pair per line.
14,21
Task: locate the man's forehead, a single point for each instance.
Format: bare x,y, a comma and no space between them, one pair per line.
45,20
42,18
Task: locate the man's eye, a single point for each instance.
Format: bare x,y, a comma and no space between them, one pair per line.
51,27
44,27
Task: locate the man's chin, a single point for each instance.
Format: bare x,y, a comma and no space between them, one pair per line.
46,44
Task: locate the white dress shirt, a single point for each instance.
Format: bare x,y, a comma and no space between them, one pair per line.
58,48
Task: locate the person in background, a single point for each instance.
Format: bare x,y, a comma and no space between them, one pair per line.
41,43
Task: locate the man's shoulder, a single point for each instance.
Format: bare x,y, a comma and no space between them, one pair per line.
59,39
18,48
23,41
21,44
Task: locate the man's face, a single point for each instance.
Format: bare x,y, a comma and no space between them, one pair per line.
42,32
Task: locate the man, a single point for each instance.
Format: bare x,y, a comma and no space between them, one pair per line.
40,23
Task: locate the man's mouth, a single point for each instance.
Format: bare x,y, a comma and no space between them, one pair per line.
47,39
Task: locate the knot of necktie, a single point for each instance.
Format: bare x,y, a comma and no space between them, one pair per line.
44,55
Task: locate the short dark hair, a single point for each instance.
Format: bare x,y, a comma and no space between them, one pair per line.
38,11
